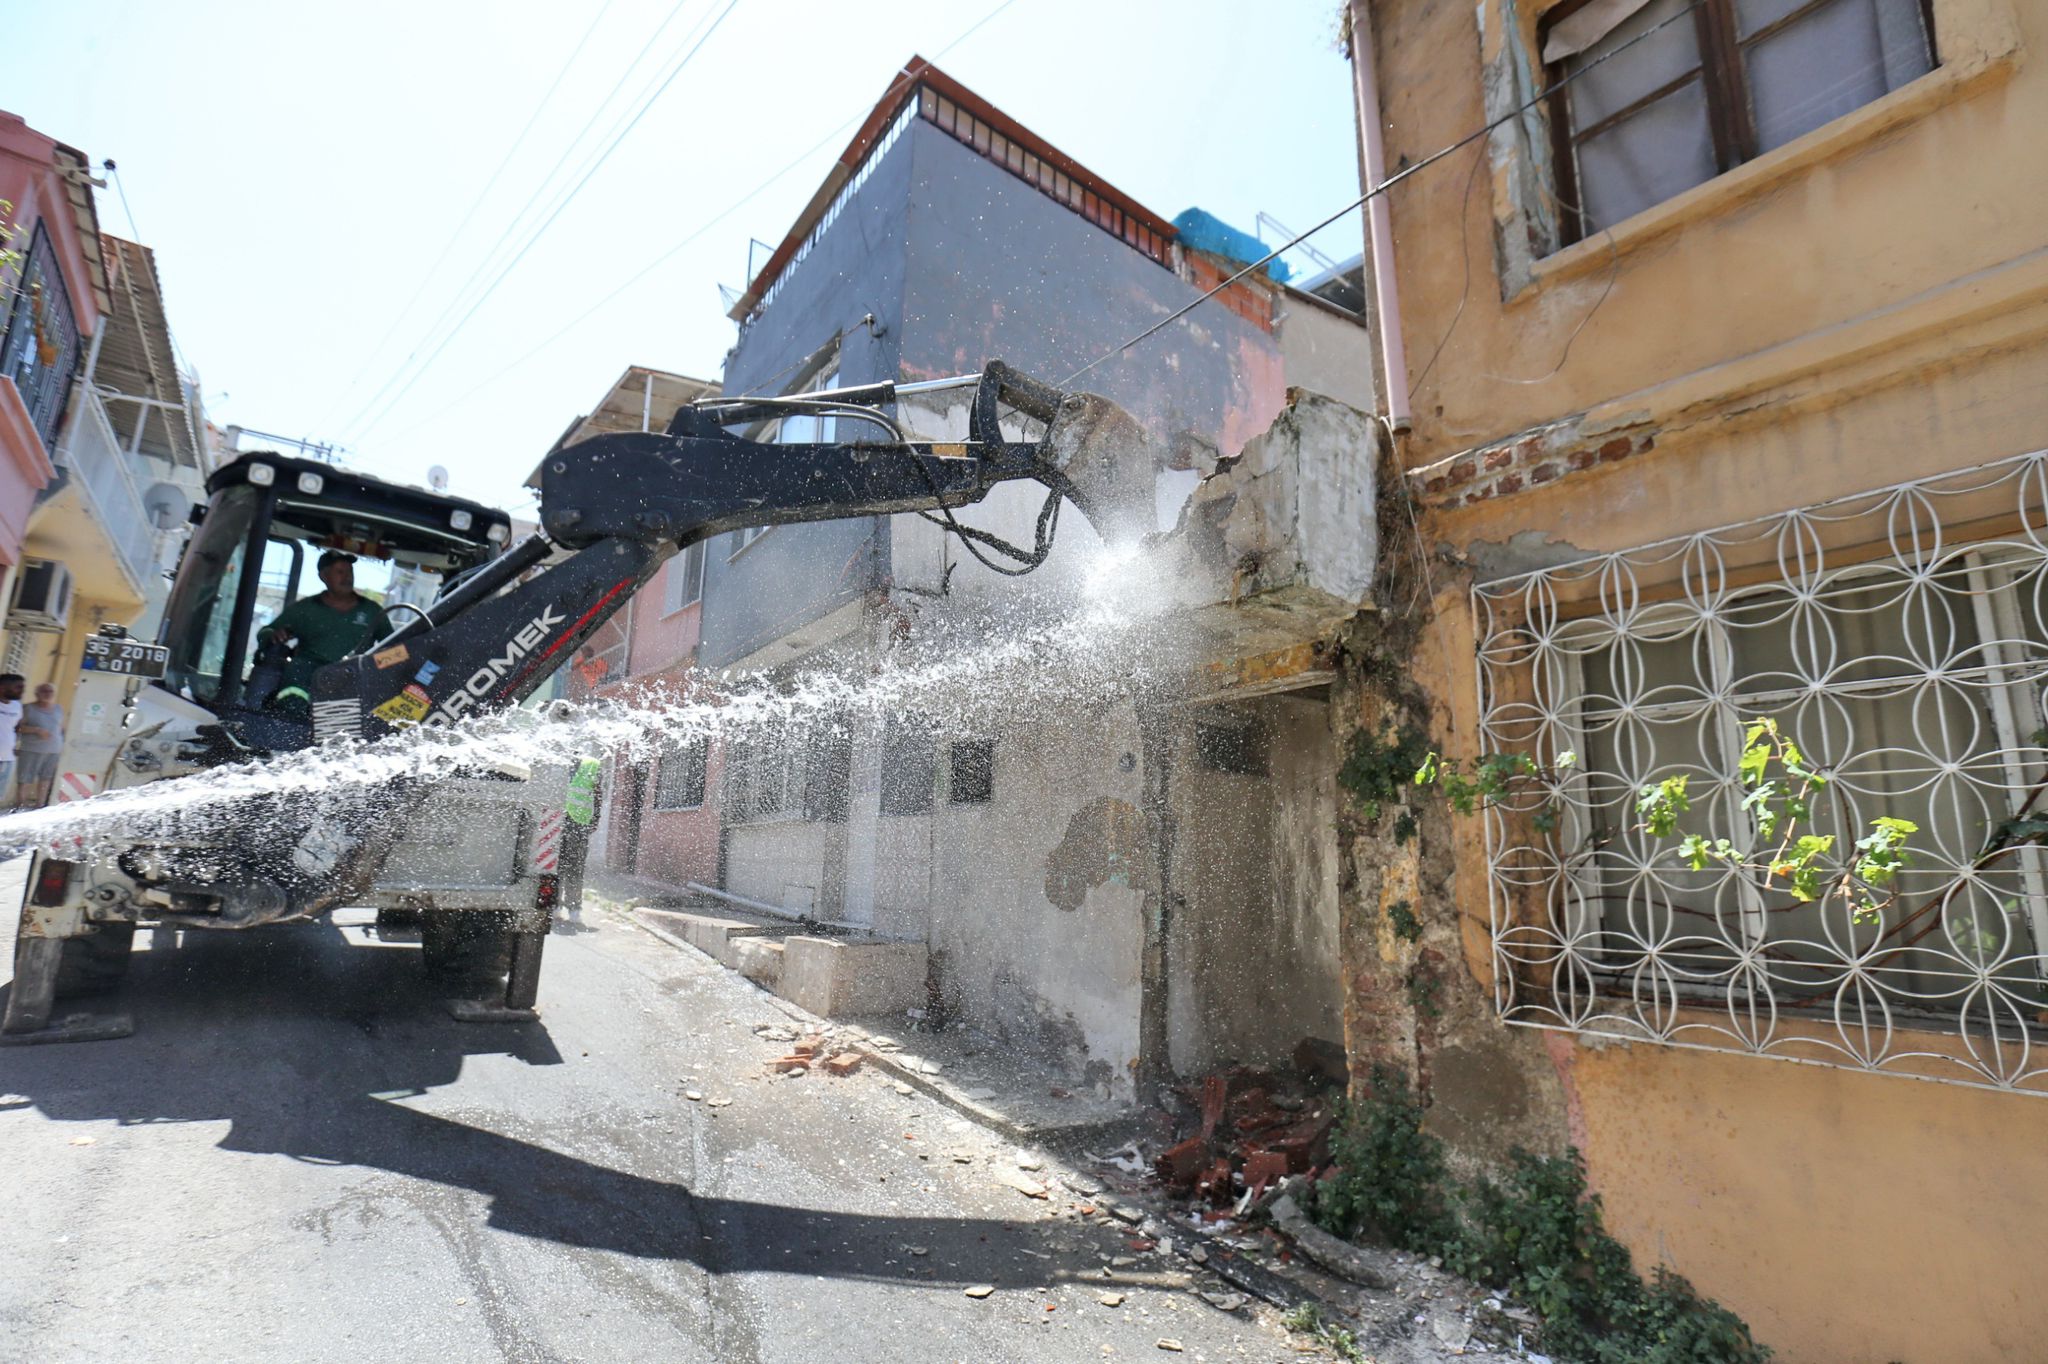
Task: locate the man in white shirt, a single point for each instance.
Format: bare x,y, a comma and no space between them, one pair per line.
11,687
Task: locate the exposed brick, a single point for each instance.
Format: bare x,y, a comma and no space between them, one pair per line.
1264,1167
1509,483
1464,471
1543,473
845,1064
1580,459
1498,457
1437,484
1621,447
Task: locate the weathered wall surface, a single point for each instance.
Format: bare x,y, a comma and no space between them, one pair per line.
795,575
1252,957
1863,306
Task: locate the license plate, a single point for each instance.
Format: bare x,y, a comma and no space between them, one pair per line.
125,656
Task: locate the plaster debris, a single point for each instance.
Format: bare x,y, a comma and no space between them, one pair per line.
981,1290
1110,1299
1170,1345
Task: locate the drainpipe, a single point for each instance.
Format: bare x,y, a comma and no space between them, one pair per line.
1379,219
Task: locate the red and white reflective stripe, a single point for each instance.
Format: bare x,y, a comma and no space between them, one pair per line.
547,841
76,786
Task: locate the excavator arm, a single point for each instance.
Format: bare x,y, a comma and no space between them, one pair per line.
621,505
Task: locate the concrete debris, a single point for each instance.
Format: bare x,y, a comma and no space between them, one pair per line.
1124,1212
1110,1299
981,1290
1027,1161
1170,1345
1231,1302
695,1096
1023,1184
1448,1325
720,1102
1361,1265
1127,1158
902,1088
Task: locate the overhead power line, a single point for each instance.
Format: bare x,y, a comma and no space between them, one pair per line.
560,206
433,271
900,83
1385,185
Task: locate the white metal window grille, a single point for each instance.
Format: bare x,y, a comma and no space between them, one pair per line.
1901,637
683,580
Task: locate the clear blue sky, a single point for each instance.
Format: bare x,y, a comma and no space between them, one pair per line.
300,168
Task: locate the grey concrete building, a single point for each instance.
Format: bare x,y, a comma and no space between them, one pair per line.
946,236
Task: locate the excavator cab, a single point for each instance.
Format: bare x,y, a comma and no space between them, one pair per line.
266,523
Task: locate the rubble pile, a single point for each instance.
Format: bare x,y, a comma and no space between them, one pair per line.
1256,1129
812,1051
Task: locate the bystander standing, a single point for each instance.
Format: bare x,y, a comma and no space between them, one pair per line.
40,741
11,685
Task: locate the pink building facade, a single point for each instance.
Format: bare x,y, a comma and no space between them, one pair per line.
51,303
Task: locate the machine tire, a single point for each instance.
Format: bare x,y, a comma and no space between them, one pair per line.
96,962
471,949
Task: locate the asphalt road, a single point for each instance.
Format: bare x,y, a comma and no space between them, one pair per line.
299,1156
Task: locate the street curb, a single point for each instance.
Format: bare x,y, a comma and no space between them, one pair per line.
895,1064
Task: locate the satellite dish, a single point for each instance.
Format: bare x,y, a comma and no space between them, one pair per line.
167,505
437,479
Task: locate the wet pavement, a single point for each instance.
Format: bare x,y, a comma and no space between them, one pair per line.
299,1155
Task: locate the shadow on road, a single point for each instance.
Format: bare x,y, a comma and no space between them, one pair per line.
301,1040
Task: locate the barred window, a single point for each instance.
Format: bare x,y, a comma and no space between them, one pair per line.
39,351
679,780
1912,669
971,773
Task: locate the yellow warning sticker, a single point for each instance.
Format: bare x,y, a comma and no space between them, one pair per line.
409,707
391,657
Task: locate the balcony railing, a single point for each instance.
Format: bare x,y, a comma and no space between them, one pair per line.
90,453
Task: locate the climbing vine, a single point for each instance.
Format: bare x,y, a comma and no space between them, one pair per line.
1780,787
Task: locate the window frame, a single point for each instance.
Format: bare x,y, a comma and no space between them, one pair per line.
1723,74
677,592
700,781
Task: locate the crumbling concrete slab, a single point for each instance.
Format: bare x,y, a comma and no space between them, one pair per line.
759,960
834,978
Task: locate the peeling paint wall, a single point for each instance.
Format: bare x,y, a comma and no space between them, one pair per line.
1252,960
1866,305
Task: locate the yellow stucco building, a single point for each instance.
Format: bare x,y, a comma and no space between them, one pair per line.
1719,377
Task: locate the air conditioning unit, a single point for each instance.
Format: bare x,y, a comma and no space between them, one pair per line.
42,596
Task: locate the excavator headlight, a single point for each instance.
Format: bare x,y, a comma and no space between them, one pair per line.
460,520
262,475
311,484
499,533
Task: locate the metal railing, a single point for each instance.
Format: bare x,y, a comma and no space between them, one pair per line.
90,453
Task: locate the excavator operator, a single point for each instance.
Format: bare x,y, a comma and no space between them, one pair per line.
322,629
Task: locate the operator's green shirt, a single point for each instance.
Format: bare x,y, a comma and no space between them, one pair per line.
326,635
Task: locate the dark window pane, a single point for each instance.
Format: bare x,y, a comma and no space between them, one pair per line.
972,780
1237,749
1661,150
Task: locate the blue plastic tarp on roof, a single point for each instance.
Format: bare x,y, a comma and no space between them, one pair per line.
1204,231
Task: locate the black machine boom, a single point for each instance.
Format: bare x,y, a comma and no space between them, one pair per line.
621,505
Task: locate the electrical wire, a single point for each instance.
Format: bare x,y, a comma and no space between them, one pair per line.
515,222
665,257
560,206
476,203
1383,187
